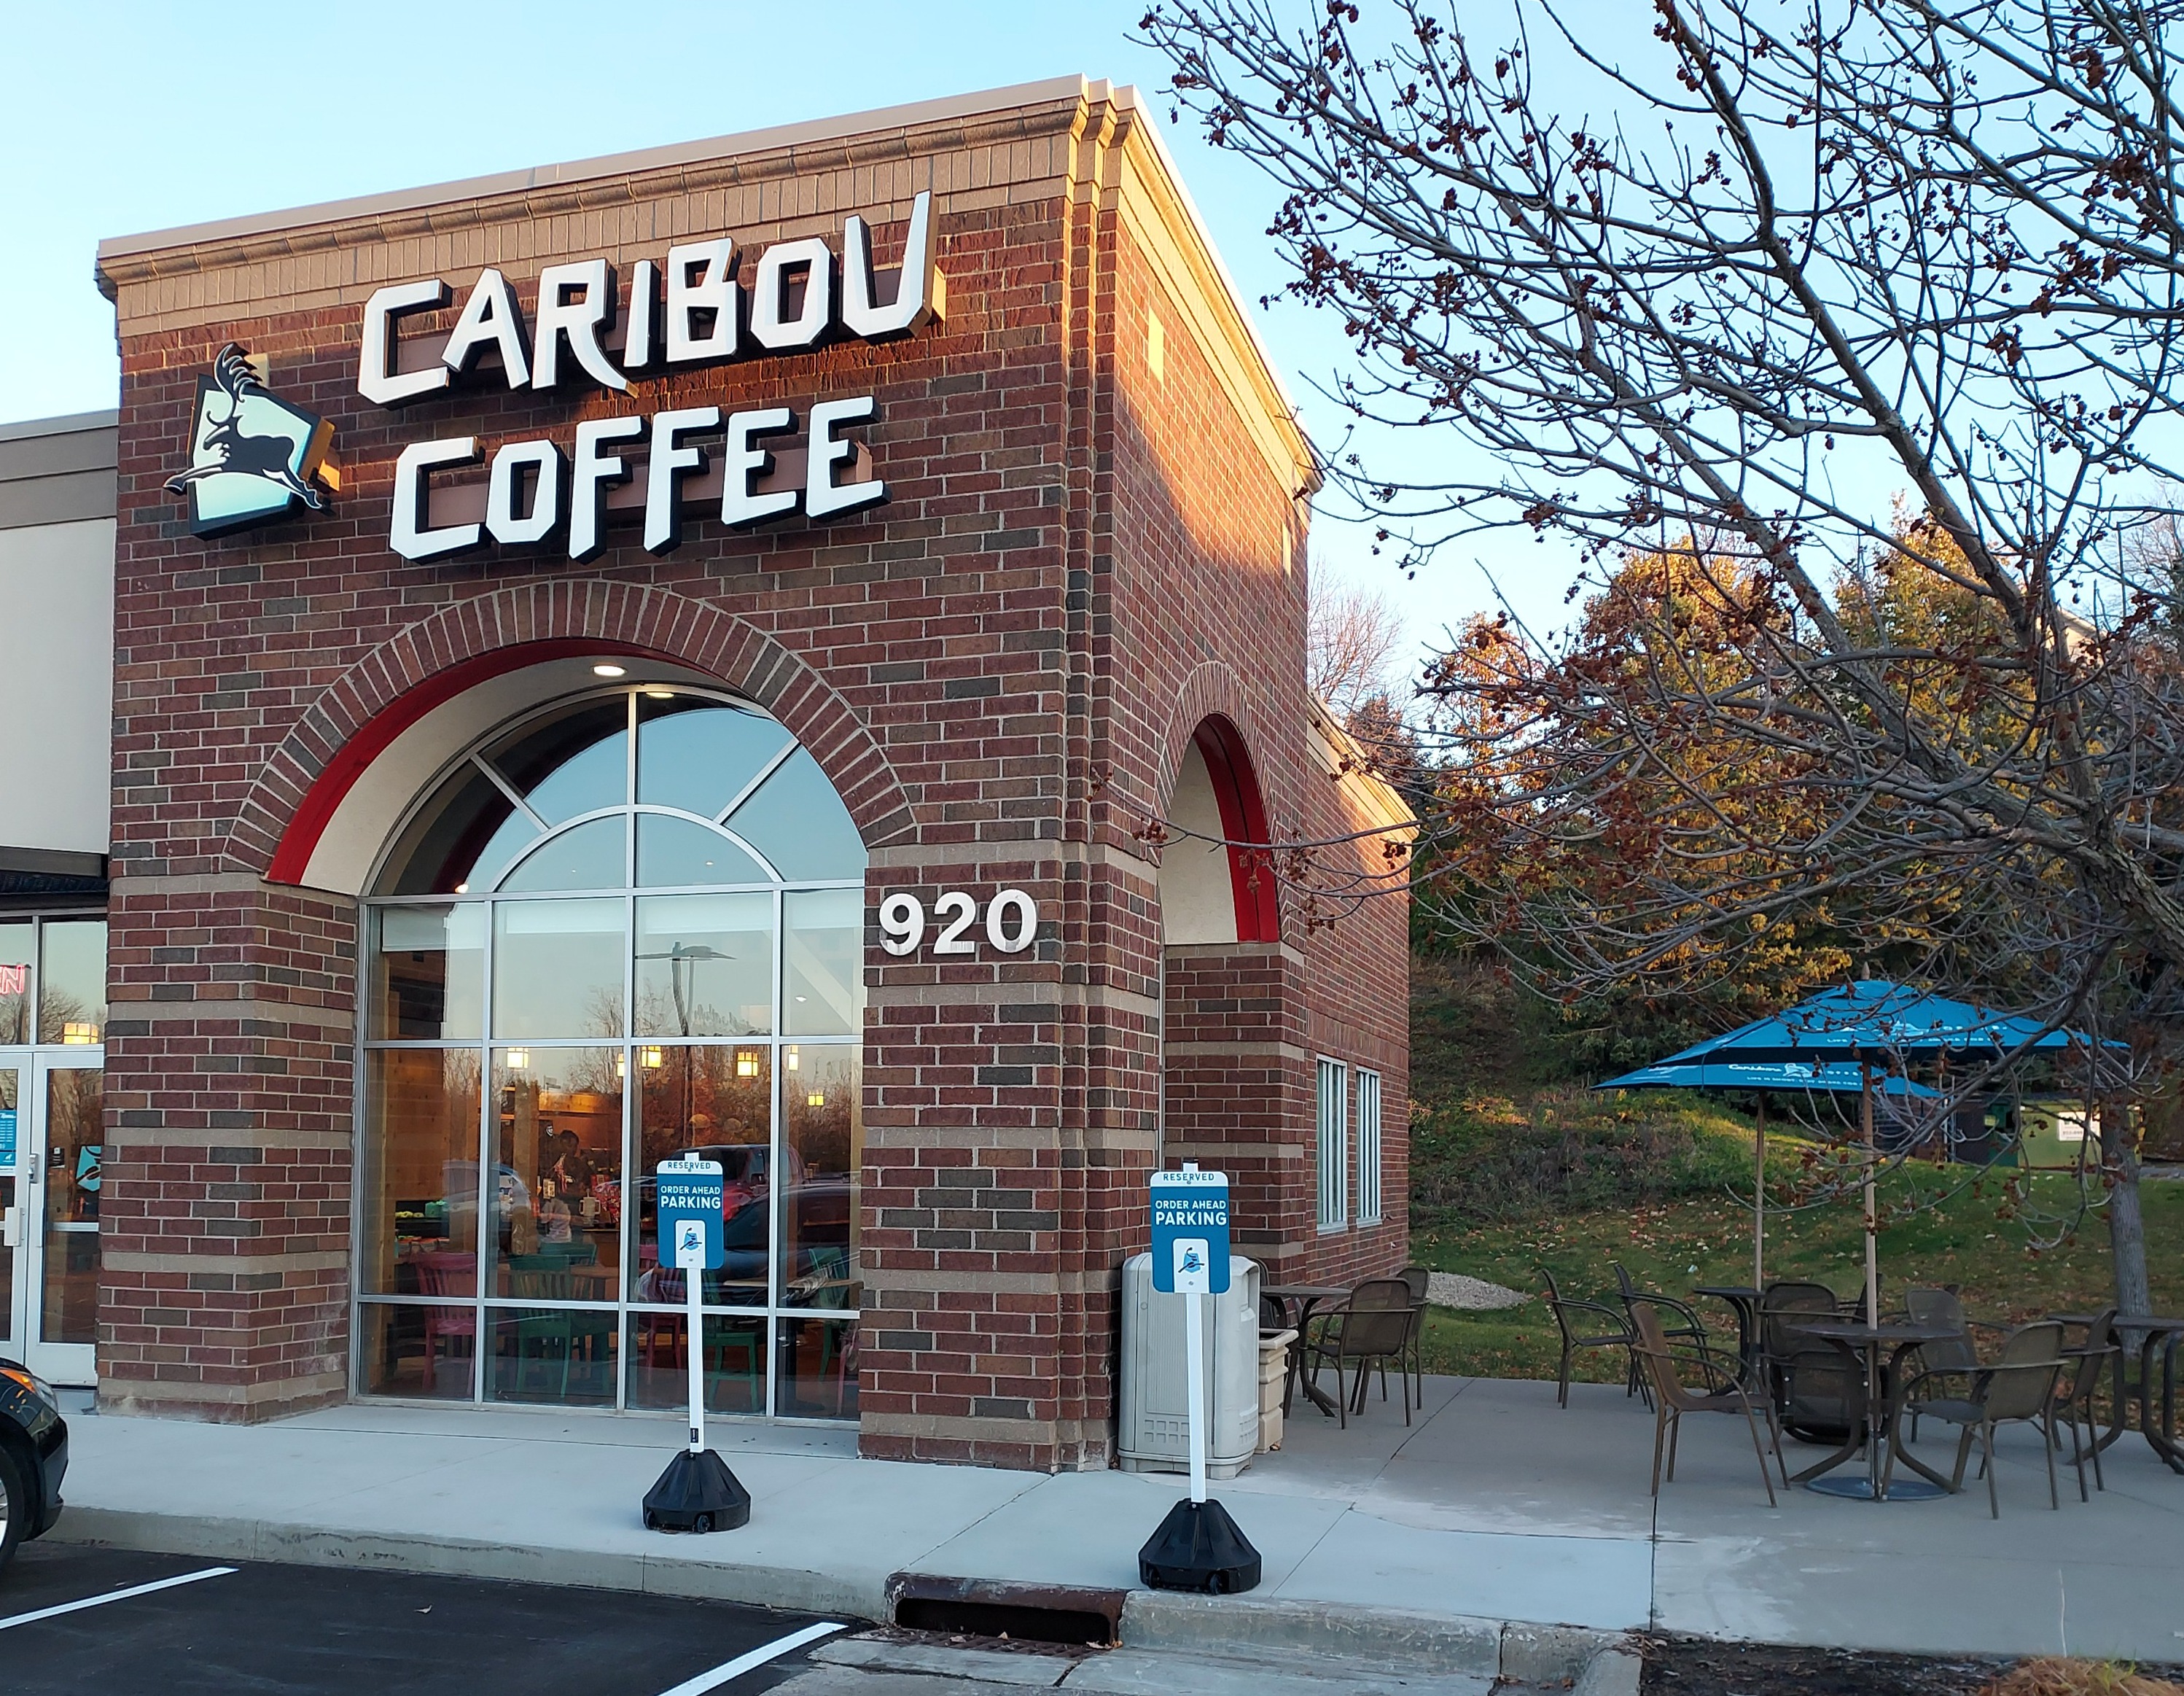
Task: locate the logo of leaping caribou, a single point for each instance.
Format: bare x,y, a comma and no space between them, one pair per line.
220,446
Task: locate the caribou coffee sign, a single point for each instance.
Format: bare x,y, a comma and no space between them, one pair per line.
700,307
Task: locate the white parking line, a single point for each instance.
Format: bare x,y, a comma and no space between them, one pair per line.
758,1657
113,1596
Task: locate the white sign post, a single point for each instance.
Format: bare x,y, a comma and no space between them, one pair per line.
1198,1547
697,1492
690,1260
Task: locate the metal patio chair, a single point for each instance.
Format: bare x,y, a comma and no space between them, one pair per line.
2091,1362
1588,1324
1371,1328
1681,1323
1420,1280
2020,1385
1672,1400
1815,1391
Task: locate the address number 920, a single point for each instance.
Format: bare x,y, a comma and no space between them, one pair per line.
1012,922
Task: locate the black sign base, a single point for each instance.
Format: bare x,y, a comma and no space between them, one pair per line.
1198,1547
697,1492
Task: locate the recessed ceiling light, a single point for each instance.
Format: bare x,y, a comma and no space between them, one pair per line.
610,671
659,694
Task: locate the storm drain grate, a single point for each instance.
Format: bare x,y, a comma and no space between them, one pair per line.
997,1608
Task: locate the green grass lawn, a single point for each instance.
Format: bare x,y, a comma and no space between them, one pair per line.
1943,1230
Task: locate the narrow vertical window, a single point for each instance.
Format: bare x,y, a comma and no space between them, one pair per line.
1334,1118
1369,1147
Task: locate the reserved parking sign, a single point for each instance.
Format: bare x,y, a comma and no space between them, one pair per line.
1190,1232
690,1198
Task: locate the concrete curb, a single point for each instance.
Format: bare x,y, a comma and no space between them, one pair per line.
1387,1640
1614,1671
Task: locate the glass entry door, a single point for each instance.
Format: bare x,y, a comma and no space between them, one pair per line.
52,1150
15,1228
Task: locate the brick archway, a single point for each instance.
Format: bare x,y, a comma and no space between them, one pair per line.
356,717
1209,716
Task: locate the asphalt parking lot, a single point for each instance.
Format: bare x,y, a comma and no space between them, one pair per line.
263,1629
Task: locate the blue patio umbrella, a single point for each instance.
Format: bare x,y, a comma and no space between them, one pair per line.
1807,1076
1874,1022
1842,1077
1862,1026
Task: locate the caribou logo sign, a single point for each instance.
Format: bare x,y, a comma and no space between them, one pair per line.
252,457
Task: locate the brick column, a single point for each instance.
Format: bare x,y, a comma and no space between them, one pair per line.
224,1214
1239,1090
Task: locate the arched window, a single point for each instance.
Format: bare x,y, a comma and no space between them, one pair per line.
628,926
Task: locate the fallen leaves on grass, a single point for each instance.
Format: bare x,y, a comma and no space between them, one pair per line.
2050,1676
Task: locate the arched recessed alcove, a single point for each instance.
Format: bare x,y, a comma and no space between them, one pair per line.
1213,887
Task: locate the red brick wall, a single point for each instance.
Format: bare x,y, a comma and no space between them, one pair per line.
1000,668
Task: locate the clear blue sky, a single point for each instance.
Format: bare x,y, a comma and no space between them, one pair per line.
125,117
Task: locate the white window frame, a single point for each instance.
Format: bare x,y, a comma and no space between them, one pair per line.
1331,1126
1368,1146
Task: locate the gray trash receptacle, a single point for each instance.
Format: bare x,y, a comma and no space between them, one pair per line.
1154,1427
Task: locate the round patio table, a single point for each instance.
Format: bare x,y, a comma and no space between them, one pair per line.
1864,1344
1744,1300
1304,1297
2164,1335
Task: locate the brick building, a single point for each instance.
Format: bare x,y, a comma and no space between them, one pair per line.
712,688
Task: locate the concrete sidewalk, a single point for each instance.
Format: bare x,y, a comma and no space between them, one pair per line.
1493,1506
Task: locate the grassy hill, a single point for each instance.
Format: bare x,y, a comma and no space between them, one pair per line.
1513,1164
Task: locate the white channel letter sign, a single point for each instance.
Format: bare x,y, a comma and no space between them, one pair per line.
695,308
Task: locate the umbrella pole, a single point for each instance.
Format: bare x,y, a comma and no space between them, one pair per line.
1760,1199
1872,1238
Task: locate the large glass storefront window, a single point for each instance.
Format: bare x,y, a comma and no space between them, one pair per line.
628,928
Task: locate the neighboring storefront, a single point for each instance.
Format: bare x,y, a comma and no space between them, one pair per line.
57,484
681,652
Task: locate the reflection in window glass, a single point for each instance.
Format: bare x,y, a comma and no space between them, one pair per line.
507,844
461,838
697,755
822,957
72,981
680,853
822,1129
573,761
558,1355
734,1365
798,822
416,1351
16,941
704,965
417,1195
75,1139
718,1101
13,1182
557,968
427,973
592,856
556,1197
818,1368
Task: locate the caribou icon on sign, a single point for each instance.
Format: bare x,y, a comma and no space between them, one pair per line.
252,457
